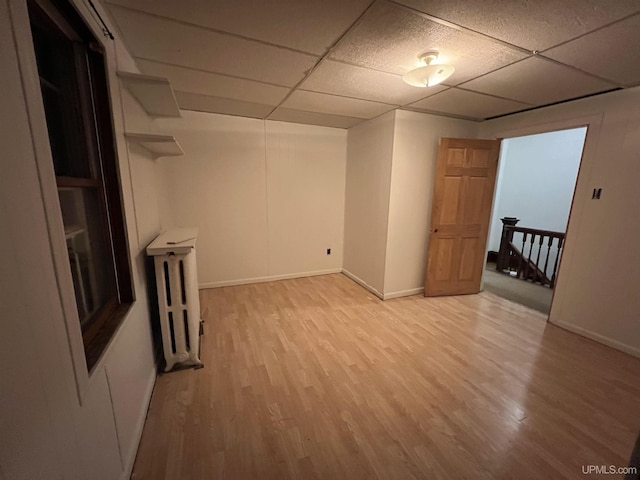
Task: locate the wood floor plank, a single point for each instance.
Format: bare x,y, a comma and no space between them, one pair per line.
315,378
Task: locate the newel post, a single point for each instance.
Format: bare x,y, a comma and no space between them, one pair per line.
507,236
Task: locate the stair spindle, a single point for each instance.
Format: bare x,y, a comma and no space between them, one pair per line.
529,263
555,265
540,279
520,268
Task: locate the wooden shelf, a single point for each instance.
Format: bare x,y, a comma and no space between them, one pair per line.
154,93
158,145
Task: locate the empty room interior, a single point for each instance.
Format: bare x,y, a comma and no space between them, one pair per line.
247,240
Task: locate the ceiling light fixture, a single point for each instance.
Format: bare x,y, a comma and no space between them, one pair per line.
429,75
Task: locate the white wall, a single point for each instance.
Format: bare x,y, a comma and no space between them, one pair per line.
599,274
46,431
305,187
268,197
415,152
390,172
536,180
369,154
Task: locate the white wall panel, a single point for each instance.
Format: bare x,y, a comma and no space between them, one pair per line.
96,427
36,406
599,274
129,362
369,154
130,374
305,197
219,186
49,430
29,429
415,152
142,169
266,196
145,193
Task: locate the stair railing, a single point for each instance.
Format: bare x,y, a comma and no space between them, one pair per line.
530,253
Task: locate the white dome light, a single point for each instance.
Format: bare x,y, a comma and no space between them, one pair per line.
429,75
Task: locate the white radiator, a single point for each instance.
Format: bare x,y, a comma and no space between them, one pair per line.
174,256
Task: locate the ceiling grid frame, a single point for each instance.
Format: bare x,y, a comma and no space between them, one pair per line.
326,90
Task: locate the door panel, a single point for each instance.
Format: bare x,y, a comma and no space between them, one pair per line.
472,213
444,258
455,157
467,255
464,184
451,196
480,158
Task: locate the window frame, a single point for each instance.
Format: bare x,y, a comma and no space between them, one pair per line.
89,344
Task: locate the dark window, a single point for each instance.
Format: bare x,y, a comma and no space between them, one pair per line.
72,71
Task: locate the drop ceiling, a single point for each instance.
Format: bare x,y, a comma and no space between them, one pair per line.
340,62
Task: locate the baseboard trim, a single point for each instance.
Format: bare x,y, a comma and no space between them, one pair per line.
403,293
271,278
609,342
363,284
131,455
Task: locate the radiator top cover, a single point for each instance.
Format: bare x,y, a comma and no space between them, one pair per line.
176,240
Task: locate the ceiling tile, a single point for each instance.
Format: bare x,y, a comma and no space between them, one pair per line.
305,25
206,103
532,25
468,104
538,81
224,57
390,38
196,81
359,82
611,53
334,105
313,118
152,38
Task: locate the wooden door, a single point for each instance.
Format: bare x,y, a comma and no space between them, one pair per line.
463,193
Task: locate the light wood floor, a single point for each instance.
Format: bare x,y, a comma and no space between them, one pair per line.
316,378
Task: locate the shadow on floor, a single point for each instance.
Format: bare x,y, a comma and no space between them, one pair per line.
519,291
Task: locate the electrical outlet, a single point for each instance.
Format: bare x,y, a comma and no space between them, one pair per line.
328,251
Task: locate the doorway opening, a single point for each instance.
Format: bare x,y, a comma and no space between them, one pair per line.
534,190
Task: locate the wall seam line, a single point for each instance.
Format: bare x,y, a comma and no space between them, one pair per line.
113,416
266,195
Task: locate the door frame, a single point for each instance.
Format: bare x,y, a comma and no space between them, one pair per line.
593,123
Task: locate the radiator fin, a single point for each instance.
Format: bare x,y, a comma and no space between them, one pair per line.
179,308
